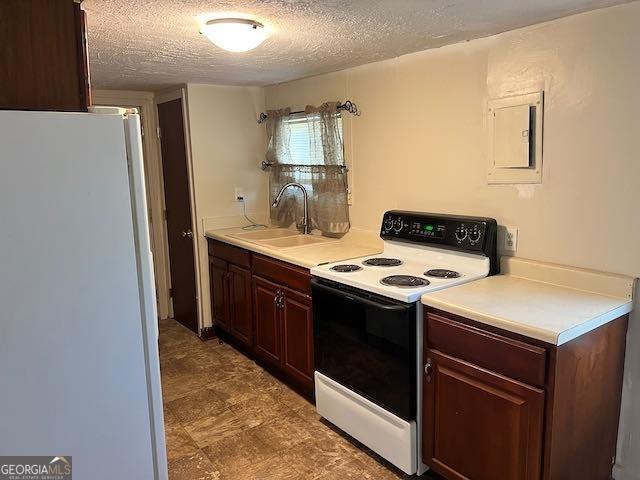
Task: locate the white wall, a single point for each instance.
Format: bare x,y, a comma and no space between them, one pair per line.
227,146
421,144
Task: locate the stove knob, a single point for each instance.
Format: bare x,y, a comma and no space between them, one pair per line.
474,234
398,224
388,224
461,233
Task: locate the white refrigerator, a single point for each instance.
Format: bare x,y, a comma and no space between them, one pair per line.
79,366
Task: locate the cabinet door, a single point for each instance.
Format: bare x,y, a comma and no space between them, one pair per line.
297,335
43,56
480,425
219,292
240,317
266,320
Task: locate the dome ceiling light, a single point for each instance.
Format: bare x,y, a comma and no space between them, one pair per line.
235,34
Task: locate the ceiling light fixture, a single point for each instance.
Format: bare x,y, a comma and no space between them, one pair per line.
235,34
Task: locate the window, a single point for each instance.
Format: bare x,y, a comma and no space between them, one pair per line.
301,147
308,149
300,143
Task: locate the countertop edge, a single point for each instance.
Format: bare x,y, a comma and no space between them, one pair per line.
255,248
596,322
295,256
542,334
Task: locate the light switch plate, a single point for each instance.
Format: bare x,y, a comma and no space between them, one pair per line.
238,195
510,239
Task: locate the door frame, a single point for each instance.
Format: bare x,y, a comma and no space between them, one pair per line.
167,96
145,101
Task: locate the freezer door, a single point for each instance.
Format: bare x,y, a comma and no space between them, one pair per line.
146,284
72,344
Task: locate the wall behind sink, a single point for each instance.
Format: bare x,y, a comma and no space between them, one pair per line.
421,144
227,146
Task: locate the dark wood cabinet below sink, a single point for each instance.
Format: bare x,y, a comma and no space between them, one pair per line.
263,306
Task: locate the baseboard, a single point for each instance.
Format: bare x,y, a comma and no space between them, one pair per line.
207,333
620,473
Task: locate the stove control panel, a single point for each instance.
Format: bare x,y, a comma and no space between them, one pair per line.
454,232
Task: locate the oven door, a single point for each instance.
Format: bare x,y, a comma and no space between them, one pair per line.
366,343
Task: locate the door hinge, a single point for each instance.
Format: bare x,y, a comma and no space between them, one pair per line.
171,292
158,132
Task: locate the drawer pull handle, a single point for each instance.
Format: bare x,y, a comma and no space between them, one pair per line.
279,299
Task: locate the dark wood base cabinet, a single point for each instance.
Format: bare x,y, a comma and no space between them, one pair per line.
263,306
501,406
231,298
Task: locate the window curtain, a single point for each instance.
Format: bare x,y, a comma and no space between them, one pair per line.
326,183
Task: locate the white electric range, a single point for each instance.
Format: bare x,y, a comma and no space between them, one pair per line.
369,330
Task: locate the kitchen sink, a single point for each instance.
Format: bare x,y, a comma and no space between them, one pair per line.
295,241
280,238
267,234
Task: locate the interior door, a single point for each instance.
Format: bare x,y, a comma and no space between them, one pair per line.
178,208
240,303
267,320
479,424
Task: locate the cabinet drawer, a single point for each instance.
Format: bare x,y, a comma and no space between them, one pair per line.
231,254
500,354
291,276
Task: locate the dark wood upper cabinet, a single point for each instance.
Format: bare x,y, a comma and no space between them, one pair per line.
297,335
480,424
43,56
240,303
266,297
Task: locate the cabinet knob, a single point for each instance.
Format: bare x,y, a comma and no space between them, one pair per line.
428,370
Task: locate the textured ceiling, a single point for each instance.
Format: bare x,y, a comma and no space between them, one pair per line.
151,44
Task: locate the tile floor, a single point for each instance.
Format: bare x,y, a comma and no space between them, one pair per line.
227,418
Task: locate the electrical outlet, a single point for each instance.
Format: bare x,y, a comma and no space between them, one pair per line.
238,195
510,243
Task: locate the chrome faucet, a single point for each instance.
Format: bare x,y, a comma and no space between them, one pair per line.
276,201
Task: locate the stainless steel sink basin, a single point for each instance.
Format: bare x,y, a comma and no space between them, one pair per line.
295,241
265,234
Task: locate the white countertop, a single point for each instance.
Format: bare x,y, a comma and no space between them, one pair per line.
356,243
542,301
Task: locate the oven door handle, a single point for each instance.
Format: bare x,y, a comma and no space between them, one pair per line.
365,301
